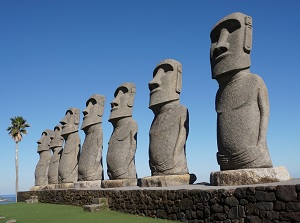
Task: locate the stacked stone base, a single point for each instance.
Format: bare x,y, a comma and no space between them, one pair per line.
53,187
273,202
249,176
88,184
168,180
119,183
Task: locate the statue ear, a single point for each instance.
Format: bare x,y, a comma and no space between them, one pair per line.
100,109
248,35
131,98
76,118
179,79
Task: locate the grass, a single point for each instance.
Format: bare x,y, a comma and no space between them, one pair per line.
51,213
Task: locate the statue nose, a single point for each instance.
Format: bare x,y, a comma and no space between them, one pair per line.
222,45
220,49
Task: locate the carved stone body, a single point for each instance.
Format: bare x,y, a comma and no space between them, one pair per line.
242,103
169,129
56,147
68,165
122,143
90,162
121,150
42,167
168,134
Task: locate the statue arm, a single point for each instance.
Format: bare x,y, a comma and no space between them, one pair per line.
263,104
182,136
132,148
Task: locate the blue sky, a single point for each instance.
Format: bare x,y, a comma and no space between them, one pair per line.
55,54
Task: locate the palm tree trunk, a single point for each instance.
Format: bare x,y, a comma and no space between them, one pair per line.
17,172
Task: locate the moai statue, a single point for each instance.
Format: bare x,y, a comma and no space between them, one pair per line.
56,145
68,165
169,129
90,162
42,167
122,143
242,103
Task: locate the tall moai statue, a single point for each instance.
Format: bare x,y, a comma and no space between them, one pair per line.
90,162
42,167
68,165
169,129
56,145
122,144
242,103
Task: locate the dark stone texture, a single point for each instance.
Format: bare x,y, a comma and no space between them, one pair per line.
185,205
264,196
286,193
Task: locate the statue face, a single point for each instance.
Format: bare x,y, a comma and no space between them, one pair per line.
231,41
56,139
93,111
166,83
44,141
122,104
70,121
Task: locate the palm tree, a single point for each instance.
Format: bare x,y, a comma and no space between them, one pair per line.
16,131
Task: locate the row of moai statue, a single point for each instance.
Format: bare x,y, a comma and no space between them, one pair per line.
242,108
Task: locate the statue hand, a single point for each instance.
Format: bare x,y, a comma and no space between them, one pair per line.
222,159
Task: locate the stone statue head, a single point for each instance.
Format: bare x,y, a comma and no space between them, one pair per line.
56,139
231,44
44,141
122,104
70,122
93,111
166,83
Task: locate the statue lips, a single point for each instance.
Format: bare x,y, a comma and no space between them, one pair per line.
114,108
219,57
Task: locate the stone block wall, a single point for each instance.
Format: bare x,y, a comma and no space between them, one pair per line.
263,204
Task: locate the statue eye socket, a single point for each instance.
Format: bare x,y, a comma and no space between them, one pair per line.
91,100
122,89
231,25
165,67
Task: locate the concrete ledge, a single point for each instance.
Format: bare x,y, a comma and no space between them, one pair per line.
168,180
88,184
249,176
119,183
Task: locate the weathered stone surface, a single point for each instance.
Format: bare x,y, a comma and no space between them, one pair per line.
88,184
249,176
64,186
90,162
122,144
92,207
242,103
286,193
98,205
188,203
166,180
42,167
2,217
68,165
169,129
119,183
11,221
56,146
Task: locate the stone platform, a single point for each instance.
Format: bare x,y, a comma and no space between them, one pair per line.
53,187
269,202
119,183
168,180
249,176
88,184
